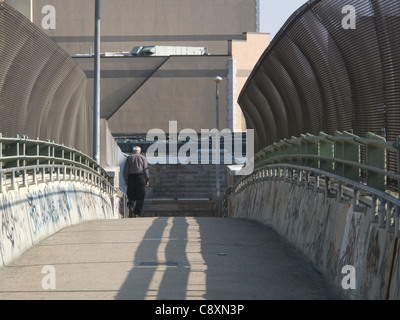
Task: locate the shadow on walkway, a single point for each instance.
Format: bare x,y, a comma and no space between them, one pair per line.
218,259
157,273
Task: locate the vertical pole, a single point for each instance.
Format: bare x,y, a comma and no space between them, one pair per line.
218,147
218,143
31,10
96,100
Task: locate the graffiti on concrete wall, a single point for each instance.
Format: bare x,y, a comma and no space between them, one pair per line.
31,214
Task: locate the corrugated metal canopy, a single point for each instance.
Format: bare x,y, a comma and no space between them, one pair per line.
318,76
42,90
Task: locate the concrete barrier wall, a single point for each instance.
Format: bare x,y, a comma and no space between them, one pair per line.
331,233
29,215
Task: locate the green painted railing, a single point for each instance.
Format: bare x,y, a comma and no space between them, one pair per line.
20,151
371,160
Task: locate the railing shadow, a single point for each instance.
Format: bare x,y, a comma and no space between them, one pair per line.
160,268
212,259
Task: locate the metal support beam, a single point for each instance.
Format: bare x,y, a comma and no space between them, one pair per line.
96,100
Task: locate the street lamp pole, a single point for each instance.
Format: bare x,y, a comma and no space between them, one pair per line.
96,100
218,80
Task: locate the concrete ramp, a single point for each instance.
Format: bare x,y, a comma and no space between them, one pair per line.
173,258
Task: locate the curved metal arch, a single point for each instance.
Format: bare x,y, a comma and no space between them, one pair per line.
360,49
283,83
43,90
61,104
73,132
250,124
258,125
265,114
347,100
34,71
300,70
275,103
387,22
58,67
315,47
12,79
355,81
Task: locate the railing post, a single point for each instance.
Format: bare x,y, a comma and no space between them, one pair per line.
25,178
338,149
43,174
382,213
296,149
311,149
396,222
303,151
397,146
13,151
34,176
1,152
376,157
348,149
389,217
13,182
326,149
22,151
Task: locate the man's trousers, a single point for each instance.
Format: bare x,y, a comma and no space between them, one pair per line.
136,191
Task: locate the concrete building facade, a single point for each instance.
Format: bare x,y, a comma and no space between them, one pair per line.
140,93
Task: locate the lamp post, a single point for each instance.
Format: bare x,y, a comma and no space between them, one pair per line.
218,80
96,100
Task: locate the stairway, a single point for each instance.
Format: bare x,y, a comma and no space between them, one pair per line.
183,190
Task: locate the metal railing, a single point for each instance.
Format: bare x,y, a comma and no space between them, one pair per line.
385,207
25,162
24,152
14,178
344,166
371,160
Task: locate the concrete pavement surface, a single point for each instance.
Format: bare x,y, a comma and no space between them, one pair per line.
173,258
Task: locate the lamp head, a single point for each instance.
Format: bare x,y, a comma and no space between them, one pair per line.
218,79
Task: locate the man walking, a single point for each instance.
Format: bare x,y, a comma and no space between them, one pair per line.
136,178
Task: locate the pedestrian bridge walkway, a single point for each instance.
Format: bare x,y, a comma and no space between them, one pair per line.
173,258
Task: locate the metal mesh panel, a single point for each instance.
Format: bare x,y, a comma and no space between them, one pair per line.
300,70
42,89
275,115
331,78
251,121
261,115
291,114
388,31
360,50
314,42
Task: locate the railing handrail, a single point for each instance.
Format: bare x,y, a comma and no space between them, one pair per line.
386,208
339,154
321,174
56,173
20,151
393,146
335,160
